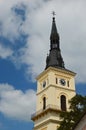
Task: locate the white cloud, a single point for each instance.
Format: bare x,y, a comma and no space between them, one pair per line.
15,103
71,27
5,52
70,20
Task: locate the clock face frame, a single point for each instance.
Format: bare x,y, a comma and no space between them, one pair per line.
44,84
62,82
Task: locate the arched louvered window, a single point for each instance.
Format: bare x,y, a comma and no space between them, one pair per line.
44,103
63,103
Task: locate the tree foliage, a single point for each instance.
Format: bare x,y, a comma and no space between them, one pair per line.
77,108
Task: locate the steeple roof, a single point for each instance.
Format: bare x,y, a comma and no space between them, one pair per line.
54,59
54,33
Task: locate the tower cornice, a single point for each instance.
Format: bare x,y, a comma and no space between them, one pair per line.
61,70
50,108
51,85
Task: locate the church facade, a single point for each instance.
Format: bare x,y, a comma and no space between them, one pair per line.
55,87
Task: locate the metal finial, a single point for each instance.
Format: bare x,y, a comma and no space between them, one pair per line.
53,13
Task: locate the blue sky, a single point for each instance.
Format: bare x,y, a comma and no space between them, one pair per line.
24,43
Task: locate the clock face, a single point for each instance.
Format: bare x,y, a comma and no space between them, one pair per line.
63,82
44,84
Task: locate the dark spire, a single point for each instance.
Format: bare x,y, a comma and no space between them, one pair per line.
54,37
54,58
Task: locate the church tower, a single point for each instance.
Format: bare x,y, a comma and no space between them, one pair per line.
55,87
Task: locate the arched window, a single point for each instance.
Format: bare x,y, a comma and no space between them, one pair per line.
63,103
44,103
56,80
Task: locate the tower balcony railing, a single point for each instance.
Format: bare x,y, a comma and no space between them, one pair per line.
53,107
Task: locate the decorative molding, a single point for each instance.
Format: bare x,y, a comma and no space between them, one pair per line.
63,88
45,123
61,70
50,108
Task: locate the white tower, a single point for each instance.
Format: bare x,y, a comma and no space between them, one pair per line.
55,87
